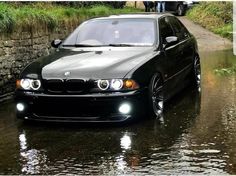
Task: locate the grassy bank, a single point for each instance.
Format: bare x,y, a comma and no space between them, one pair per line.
13,15
215,16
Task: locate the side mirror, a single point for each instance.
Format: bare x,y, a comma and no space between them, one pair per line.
171,40
56,43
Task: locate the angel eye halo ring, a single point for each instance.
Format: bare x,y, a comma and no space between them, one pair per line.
35,84
29,84
25,84
103,84
117,84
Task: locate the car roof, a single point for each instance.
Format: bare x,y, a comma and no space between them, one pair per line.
136,16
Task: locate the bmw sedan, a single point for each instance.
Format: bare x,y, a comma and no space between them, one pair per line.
110,69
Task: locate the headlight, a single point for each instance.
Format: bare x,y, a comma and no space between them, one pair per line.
25,84
117,84
103,84
28,84
35,84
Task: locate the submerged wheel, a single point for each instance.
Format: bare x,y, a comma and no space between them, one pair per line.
156,98
197,73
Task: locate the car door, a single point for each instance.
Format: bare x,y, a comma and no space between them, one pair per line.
185,47
171,5
171,53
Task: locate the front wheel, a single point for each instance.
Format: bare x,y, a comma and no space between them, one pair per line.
156,97
197,73
180,10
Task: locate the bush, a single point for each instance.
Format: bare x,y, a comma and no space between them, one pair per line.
226,71
31,14
7,19
116,4
215,16
79,4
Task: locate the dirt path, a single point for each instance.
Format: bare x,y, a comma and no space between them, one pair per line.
206,39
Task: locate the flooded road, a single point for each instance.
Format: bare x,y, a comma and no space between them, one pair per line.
196,135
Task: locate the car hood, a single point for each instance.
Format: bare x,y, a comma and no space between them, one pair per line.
100,63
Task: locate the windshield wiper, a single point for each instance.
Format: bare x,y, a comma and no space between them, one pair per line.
86,45
119,44
81,45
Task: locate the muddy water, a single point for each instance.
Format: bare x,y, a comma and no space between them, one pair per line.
196,135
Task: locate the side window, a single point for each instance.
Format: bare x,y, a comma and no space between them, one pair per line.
183,29
180,31
165,29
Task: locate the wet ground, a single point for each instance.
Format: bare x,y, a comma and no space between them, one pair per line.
196,135
207,41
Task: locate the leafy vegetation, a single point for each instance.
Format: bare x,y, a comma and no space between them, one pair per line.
226,71
215,16
7,20
14,15
113,4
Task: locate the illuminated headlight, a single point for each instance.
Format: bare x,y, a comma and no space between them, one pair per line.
28,84
103,84
25,84
125,108
116,84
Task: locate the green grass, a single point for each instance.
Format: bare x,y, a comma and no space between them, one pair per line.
225,31
226,71
7,18
215,16
13,15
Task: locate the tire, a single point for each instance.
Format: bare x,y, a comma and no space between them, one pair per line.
155,96
197,73
180,10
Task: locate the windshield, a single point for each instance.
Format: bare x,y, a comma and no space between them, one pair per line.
114,32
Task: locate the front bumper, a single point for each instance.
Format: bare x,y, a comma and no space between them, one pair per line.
80,108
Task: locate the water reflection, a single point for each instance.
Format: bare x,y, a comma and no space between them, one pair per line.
117,150
22,140
33,161
125,142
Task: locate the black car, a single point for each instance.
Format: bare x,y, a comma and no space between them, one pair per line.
179,7
110,69
176,7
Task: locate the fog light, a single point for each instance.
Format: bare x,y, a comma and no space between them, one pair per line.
125,108
20,107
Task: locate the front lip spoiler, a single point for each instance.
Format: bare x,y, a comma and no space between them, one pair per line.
92,95
78,119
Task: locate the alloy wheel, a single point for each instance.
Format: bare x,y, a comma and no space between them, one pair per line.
157,96
197,72
180,10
